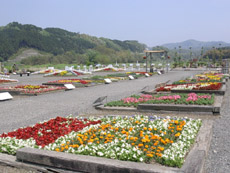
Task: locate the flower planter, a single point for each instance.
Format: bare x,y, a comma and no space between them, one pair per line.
213,109
216,92
31,90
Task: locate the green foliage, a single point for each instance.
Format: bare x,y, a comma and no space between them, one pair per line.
217,54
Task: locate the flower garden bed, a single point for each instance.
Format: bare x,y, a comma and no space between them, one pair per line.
75,82
30,89
179,102
120,76
209,87
203,78
187,99
4,80
137,138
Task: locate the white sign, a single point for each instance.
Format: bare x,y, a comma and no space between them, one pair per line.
146,75
107,81
124,65
138,67
69,68
85,68
69,86
51,68
5,96
90,68
131,77
159,72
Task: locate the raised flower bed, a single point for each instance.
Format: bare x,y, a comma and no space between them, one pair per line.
208,87
181,102
207,77
30,89
75,82
192,98
139,74
5,80
136,138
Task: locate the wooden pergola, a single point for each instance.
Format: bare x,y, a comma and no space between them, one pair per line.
149,54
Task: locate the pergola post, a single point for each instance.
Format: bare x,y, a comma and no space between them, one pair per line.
149,53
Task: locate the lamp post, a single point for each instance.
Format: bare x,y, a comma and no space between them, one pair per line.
190,54
220,58
145,57
201,56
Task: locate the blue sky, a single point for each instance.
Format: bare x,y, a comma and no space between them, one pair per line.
153,22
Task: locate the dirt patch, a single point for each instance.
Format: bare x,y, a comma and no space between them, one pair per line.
25,54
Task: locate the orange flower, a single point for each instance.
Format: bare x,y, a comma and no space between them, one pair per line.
123,131
153,148
150,155
140,145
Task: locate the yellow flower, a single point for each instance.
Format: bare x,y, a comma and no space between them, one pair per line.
177,135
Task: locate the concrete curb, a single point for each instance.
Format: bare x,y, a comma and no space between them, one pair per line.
194,161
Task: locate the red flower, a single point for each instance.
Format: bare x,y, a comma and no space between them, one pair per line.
49,131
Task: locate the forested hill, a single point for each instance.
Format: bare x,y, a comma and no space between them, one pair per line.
55,41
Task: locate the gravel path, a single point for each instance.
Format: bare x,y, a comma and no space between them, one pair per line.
28,110
218,159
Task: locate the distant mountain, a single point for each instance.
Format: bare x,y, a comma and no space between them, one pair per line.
194,44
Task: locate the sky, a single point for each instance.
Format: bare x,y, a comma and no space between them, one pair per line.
152,22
